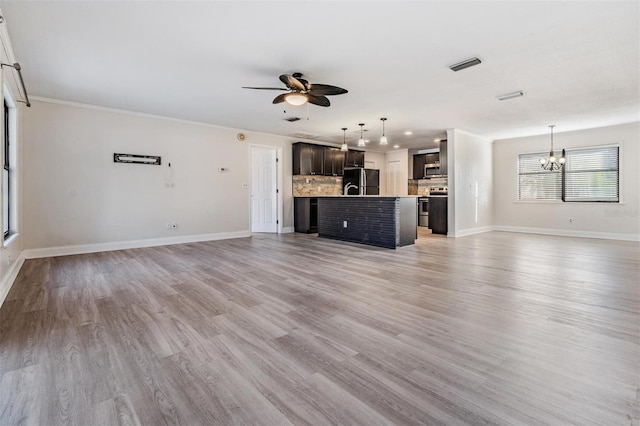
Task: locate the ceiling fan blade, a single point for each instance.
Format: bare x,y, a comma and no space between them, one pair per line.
304,82
326,90
318,100
280,98
292,82
264,88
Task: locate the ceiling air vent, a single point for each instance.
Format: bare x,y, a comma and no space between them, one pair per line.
302,135
292,119
510,95
465,64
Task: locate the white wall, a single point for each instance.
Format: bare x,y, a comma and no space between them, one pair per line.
470,203
75,195
604,220
10,253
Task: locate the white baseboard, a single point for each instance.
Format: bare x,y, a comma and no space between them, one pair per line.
11,276
471,231
567,233
121,245
288,229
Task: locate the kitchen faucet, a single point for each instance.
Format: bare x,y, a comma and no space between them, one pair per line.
348,186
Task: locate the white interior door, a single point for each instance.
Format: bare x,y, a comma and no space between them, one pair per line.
393,178
264,196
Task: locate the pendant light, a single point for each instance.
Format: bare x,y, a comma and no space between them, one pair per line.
383,138
344,146
361,140
552,163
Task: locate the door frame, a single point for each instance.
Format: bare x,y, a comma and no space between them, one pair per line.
279,182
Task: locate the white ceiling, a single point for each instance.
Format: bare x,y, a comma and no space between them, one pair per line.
577,62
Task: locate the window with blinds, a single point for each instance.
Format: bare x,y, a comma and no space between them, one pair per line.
589,174
592,175
534,183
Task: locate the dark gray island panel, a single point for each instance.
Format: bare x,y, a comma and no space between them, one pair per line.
380,221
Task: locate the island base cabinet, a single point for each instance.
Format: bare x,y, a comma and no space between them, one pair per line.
380,221
305,215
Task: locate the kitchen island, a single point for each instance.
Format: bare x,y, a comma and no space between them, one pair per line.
382,221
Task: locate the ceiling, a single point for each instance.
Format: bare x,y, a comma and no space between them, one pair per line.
577,62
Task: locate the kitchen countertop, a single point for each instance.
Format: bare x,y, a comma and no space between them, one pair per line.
356,196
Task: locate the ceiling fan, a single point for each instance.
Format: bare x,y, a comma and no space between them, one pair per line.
301,91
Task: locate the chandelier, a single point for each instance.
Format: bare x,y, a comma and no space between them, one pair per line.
551,162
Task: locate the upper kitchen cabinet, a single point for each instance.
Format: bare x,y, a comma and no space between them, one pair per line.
444,169
333,161
354,158
308,159
419,160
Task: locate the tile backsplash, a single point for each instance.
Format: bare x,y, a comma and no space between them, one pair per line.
423,186
310,185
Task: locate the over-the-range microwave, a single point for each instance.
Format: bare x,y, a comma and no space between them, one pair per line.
431,169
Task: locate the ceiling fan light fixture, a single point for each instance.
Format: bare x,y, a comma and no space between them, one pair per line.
344,146
296,98
383,138
361,141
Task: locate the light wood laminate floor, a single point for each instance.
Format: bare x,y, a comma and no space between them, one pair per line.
496,328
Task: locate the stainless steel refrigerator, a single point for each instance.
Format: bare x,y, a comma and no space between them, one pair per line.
360,181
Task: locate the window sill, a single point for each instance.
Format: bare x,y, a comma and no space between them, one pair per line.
619,203
10,239
538,202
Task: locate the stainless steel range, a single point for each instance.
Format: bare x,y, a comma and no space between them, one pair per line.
423,211
423,204
438,191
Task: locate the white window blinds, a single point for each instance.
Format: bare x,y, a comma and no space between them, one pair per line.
592,175
534,183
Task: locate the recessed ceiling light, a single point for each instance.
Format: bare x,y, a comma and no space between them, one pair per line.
396,146
465,64
408,133
510,95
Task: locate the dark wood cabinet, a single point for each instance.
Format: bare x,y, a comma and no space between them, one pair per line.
432,158
419,160
308,159
305,215
354,158
333,161
444,169
438,215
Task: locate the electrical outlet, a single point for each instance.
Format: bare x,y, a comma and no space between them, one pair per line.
570,220
9,260
344,224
